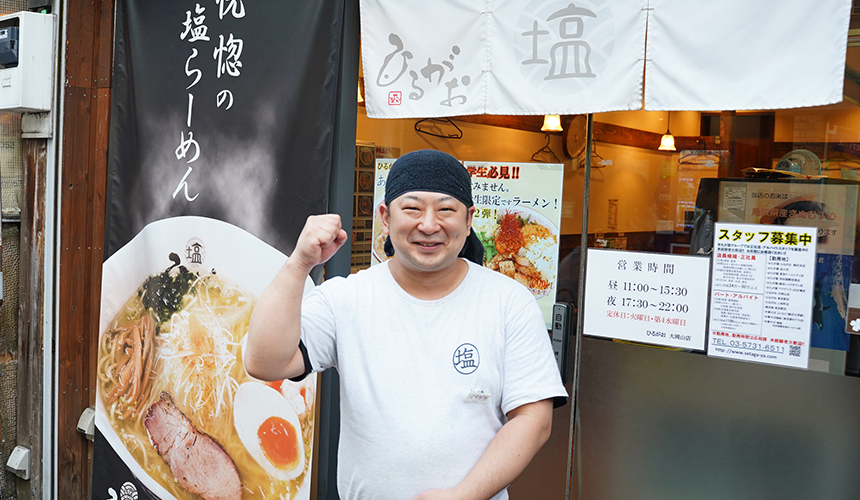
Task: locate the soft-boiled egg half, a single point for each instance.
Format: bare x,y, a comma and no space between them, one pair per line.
269,428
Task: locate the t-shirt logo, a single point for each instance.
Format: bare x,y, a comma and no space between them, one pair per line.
466,359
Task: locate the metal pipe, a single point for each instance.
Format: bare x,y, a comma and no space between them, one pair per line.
580,309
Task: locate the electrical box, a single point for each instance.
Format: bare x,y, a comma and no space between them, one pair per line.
27,62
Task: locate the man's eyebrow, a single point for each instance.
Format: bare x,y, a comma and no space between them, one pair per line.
443,197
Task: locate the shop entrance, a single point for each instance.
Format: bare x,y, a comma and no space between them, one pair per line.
750,411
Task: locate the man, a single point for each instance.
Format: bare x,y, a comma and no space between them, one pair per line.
447,372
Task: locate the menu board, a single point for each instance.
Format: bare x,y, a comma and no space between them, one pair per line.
762,293
519,199
647,297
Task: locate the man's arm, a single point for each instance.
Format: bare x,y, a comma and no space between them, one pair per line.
508,454
271,349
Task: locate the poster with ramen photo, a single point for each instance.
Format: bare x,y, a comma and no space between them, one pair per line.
173,399
517,218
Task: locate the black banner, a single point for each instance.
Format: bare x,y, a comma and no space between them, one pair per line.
236,113
222,139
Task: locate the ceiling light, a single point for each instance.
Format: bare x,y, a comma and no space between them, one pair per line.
551,123
667,142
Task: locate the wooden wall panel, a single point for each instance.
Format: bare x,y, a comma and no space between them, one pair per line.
30,312
104,58
86,119
626,136
74,324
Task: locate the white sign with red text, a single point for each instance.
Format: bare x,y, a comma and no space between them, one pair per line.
647,297
762,293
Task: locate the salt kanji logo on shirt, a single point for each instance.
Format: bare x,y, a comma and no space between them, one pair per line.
395,97
466,359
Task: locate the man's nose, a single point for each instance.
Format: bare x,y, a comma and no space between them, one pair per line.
429,222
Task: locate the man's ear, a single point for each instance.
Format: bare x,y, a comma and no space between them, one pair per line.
384,214
470,213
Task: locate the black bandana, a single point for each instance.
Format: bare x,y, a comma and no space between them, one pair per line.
437,172
429,170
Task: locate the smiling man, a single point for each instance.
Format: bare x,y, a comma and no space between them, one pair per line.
447,373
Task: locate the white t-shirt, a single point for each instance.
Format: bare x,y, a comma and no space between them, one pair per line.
407,367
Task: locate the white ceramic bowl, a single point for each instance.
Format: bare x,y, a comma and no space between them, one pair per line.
236,255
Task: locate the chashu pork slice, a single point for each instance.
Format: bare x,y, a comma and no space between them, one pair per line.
197,461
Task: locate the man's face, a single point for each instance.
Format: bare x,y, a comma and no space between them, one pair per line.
427,229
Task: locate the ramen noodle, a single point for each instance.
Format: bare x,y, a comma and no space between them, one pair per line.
520,246
180,333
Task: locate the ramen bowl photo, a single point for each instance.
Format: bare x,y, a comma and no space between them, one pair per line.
521,244
173,399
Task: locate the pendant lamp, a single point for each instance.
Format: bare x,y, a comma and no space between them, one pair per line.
551,123
667,142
